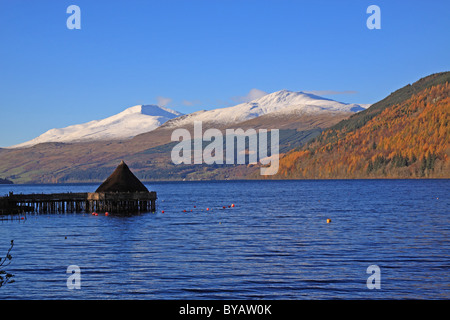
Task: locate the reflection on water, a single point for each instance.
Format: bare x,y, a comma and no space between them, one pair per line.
274,244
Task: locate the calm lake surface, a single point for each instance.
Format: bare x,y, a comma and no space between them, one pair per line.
274,244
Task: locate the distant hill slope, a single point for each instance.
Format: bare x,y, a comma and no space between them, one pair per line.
146,118
361,118
405,135
299,117
124,125
281,103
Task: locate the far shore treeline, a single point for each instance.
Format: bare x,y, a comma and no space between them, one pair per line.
5,181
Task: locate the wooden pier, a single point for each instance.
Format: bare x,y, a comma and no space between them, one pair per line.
114,202
121,192
121,201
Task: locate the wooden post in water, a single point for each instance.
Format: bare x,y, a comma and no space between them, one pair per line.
122,192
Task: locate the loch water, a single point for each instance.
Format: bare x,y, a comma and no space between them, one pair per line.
274,243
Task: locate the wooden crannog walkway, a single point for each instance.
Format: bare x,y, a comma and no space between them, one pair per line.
121,201
122,192
79,202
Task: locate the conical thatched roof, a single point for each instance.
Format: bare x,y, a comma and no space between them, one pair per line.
122,180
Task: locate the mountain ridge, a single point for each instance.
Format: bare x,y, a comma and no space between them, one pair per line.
283,101
141,119
148,154
124,125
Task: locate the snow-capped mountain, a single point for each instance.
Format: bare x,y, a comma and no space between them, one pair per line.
144,118
278,103
124,125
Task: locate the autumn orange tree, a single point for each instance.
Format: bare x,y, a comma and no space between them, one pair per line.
409,139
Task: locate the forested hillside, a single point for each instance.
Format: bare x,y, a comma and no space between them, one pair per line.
409,139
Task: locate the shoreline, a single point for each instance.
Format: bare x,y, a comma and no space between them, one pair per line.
228,180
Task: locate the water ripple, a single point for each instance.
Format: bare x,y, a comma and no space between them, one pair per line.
275,244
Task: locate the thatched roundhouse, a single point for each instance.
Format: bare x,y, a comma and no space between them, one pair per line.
122,192
122,180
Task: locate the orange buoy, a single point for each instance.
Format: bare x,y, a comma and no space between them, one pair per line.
328,220
106,213
207,209
232,205
93,213
184,210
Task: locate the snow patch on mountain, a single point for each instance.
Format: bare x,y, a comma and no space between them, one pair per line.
280,102
124,125
145,118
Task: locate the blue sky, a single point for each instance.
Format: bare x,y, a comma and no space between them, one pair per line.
204,54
